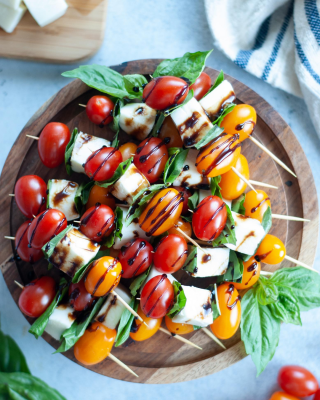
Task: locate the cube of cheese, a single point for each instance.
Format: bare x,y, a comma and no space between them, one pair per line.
130,184
197,310
10,17
216,100
60,320
137,119
205,193
191,122
154,272
11,3
61,197
83,148
73,251
46,11
215,262
189,176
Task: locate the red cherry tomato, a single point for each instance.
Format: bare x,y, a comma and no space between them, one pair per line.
297,381
79,298
46,226
317,395
135,257
157,297
25,252
97,222
31,195
151,157
99,110
186,194
170,254
36,297
102,164
209,218
165,91
201,86
52,144
282,396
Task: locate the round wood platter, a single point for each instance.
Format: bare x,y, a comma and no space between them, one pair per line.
162,359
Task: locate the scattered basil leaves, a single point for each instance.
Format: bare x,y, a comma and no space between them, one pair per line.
11,357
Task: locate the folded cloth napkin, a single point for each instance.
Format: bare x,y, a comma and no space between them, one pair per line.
276,40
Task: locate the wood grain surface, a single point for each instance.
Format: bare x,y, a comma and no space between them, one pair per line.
162,359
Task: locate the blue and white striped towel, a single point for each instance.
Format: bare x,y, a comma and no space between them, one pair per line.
276,40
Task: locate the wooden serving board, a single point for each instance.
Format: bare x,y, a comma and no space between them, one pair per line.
159,359
73,37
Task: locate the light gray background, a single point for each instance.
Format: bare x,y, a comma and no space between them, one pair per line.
151,29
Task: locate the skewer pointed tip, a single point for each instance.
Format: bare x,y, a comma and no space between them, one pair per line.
213,337
123,365
301,264
19,284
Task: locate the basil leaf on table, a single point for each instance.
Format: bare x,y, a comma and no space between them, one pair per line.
237,205
69,149
117,232
82,270
126,323
234,271
48,248
214,132
11,357
214,186
228,234
121,170
227,109
180,299
174,165
158,124
286,308
217,82
139,282
193,200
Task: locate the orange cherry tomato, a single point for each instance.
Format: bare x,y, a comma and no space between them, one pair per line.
128,150
185,226
282,396
177,328
95,344
271,250
140,331
103,276
226,325
162,212
242,120
170,132
99,194
251,273
231,185
218,156
256,204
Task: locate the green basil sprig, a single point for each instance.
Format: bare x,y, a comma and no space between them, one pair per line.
237,205
174,164
214,186
214,301
48,248
121,170
139,282
117,232
82,195
158,124
214,132
69,149
193,200
11,357
79,274
190,264
217,82
228,234
234,271
227,109
180,299
126,323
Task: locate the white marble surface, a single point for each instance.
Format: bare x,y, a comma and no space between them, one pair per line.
151,29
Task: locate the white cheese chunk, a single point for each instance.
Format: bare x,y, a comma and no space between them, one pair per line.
130,184
46,11
11,3
205,193
249,233
154,272
217,99
214,263
10,17
191,122
137,119
73,251
189,176
83,148
61,197
197,310
60,320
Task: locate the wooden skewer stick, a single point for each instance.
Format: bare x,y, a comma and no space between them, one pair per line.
211,335
266,273
11,194
243,179
19,284
182,339
124,366
129,308
276,159
189,238
289,218
262,184
32,137
10,237
77,222
82,105
297,262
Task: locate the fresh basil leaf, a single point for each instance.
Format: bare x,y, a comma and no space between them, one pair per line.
267,220
69,149
48,192
116,122
217,82
134,82
185,101
266,291
189,66
286,308
180,299
48,248
11,357
126,323
228,234
82,270
190,264
214,132
82,195
215,303
117,232
121,170
227,109
196,327
237,205
158,124
193,200
39,325
139,282
234,272
174,165
214,186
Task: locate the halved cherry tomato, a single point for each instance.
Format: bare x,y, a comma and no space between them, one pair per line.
99,194
170,134
177,328
95,344
201,86
251,273
135,257
52,144
79,298
46,226
37,296
102,164
128,150
162,212
25,252
186,194
227,324
170,254
31,195
185,226
256,204
241,120
151,157
297,381
97,222
271,250
218,156
164,92
103,276
99,110
231,185
209,218
140,331
282,396
157,297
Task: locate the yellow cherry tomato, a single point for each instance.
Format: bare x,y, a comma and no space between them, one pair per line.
162,213
242,120
100,195
170,132
256,204
142,332
95,344
231,185
226,325
185,226
271,250
128,150
218,156
251,273
177,328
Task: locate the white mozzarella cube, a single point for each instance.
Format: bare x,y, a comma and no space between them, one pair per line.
214,102
205,193
61,197
83,148
10,17
191,122
46,11
189,176
11,3
137,119
214,263
249,233
154,272
73,251
60,320
197,310
130,184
